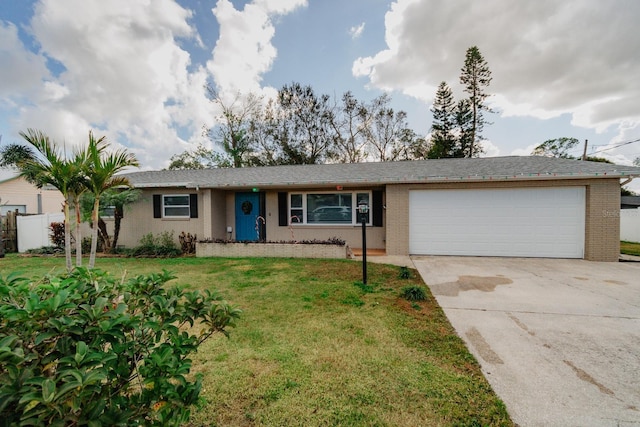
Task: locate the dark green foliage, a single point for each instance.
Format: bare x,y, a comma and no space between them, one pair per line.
476,77
444,143
405,273
162,245
15,154
86,349
414,293
464,123
46,250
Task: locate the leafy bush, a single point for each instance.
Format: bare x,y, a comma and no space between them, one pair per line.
85,349
161,245
57,234
46,250
414,293
86,244
405,273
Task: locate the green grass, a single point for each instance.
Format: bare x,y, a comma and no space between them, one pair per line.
630,248
316,347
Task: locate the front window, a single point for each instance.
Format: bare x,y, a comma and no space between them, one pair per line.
175,206
327,208
108,211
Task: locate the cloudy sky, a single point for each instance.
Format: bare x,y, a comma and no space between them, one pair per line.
134,70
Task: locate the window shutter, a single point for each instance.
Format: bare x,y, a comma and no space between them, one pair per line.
193,205
157,206
282,209
377,208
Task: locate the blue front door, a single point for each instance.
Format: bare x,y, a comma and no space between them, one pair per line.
247,213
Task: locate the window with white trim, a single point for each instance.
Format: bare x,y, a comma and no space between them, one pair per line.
339,208
175,206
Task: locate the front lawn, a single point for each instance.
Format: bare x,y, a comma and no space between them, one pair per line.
630,248
316,347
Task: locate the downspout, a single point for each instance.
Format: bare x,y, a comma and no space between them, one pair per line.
628,180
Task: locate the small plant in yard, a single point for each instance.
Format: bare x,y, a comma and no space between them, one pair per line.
414,293
85,349
405,273
366,288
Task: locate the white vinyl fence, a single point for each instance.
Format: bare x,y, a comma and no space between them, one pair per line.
33,230
630,225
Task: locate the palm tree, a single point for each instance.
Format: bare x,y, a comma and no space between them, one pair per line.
115,198
50,166
78,164
101,176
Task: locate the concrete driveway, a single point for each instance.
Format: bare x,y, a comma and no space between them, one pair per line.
559,340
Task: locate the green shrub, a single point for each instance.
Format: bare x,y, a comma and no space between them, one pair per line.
46,250
162,245
85,349
405,273
414,293
86,245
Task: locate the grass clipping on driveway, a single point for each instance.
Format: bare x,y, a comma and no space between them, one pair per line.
315,347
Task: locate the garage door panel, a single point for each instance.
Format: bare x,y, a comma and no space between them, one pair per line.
536,222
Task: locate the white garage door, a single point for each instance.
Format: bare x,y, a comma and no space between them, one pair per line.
535,222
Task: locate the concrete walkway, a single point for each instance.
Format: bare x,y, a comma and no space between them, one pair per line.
558,340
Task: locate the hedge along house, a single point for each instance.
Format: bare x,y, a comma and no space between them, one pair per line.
500,206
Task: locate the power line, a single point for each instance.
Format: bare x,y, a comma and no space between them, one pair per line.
621,144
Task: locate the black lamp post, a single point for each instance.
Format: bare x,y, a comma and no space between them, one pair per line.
363,210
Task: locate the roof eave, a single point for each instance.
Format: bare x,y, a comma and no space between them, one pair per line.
547,176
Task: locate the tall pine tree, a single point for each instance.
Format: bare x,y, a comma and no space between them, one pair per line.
475,78
464,125
443,139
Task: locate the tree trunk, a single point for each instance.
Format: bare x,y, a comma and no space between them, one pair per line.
94,232
116,226
78,234
104,234
67,234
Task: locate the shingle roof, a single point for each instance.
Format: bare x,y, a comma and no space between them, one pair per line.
630,200
354,174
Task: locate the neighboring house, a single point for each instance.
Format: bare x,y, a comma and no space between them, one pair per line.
500,206
629,202
18,194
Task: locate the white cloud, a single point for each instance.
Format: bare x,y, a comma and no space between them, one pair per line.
244,52
490,149
21,70
356,31
547,57
123,74
524,151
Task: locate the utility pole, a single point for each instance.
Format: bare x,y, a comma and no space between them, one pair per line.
584,153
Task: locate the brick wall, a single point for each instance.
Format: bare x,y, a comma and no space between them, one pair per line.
602,235
277,250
